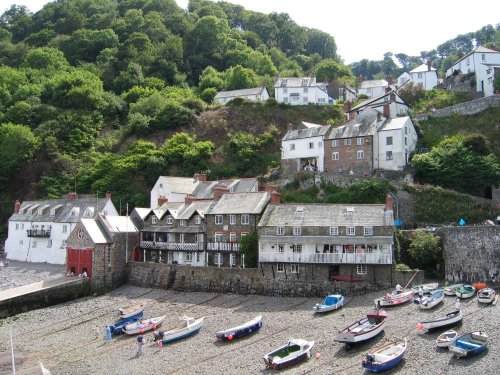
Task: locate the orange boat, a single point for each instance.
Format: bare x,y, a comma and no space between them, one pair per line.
479,286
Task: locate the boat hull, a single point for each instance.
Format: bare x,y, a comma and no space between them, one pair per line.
281,358
467,346
240,331
143,326
444,340
371,364
486,295
465,292
428,303
323,308
450,320
352,339
394,299
451,289
117,328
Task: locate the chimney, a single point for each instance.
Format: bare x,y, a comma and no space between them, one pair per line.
202,177
351,116
429,65
72,196
17,206
389,79
387,110
275,197
162,200
219,191
360,78
188,199
108,195
388,90
347,106
289,127
389,202
271,187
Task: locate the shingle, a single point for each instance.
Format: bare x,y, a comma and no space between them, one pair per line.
241,203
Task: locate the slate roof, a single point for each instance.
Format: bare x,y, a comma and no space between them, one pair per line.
395,123
365,123
237,93
306,133
374,99
298,82
241,203
422,69
96,231
172,207
102,228
374,83
479,49
182,185
196,207
83,205
322,215
204,190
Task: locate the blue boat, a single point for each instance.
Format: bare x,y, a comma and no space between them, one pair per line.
116,329
244,329
187,326
469,344
385,357
330,303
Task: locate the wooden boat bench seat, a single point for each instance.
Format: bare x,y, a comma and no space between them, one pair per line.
379,357
468,345
479,337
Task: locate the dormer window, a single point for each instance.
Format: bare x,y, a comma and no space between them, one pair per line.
197,219
183,223
284,82
154,219
170,219
75,211
89,212
305,81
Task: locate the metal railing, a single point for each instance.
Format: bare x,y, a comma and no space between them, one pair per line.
332,258
179,246
223,246
38,232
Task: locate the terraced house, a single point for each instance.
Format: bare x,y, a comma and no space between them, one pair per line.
327,241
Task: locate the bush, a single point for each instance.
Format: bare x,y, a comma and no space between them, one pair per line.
208,95
174,116
401,267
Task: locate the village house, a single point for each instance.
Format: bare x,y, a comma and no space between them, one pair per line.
302,149
300,91
340,91
424,75
389,104
256,93
373,88
38,230
175,233
234,216
175,189
101,247
483,63
327,241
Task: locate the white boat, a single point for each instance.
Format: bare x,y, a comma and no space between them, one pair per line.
465,291
451,289
244,329
448,320
295,351
363,329
444,339
385,357
394,299
426,287
127,312
187,326
486,295
330,303
429,301
143,325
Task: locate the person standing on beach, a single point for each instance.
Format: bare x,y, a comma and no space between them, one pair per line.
421,292
107,334
398,289
458,305
140,342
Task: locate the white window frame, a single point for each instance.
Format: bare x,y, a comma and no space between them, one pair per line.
245,219
294,268
280,248
280,267
368,231
297,231
63,244
218,259
347,142
34,244
362,269
335,143
218,236
232,219
311,145
154,219
335,156
170,219
334,231
297,249
351,231
232,260
280,231
388,155
243,234
219,219
360,141
292,146
232,236
360,154
49,242
388,141
65,228
183,223
188,258
197,219
17,226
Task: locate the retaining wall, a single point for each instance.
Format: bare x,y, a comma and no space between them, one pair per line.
465,109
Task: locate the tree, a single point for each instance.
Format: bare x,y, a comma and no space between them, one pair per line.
425,248
17,19
327,70
238,77
211,78
321,43
249,247
46,59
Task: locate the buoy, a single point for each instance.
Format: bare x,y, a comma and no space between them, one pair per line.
230,337
160,344
154,327
141,330
318,355
420,326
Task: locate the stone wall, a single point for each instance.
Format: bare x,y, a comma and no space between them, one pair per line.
471,253
465,109
251,281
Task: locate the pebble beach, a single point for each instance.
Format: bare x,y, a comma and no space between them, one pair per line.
64,337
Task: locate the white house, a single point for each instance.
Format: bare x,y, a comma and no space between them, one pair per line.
373,88
481,62
300,91
403,78
304,147
397,139
390,104
38,230
255,93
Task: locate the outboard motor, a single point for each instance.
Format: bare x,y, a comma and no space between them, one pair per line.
158,335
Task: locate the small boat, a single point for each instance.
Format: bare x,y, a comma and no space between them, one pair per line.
385,357
448,320
479,285
451,289
364,329
294,352
444,339
330,303
117,328
188,326
142,326
429,301
394,299
426,287
486,295
244,329
132,310
469,344
465,291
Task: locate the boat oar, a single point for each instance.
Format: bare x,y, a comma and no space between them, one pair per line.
411,279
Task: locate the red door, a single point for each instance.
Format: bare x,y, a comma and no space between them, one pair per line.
79,260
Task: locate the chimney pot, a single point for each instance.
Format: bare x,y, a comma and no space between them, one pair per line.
202,177
275,197
271,187
219,191
72,196
389,79
188,199
108,195
387,111
429,65
17,206
162,200
347,106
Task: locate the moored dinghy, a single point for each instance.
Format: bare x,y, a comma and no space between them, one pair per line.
385,357
426,287
143,325
469,344
394,299
448,320
486,295
117,328
364,329
295,351
127,312
451,289
188,326
244,329
445,338
330,303
429,301
465,291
